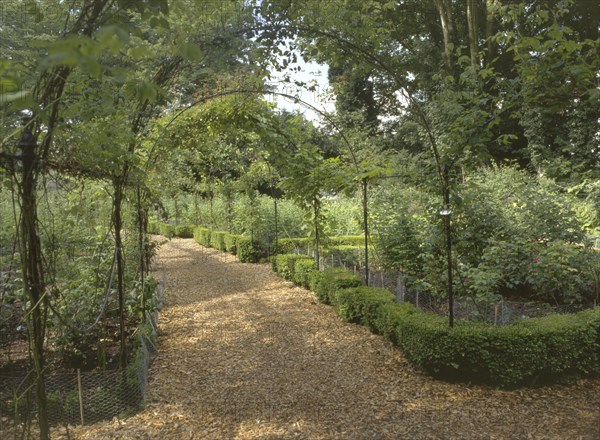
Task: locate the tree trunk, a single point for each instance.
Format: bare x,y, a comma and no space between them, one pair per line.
33,274
490,28
276,214
141,246
366,222
472,14
445,12
118,225
448,233
316,224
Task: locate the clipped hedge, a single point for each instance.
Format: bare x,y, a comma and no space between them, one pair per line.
331,280
303,271
153,228
362,305
285,264
347,240
169,231
557,348
184,231
248,251
294,245
202,236
230,241
166,230
217,240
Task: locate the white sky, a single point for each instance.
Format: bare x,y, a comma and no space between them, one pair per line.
320,98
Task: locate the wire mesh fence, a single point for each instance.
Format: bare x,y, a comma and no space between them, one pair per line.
75,397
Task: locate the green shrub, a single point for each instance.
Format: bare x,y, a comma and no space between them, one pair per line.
347,240
362,305
332,280
387,322
217,240
71,407
202,236
230,243
351,256
285,264
153,228
314,280
166,230
184,231
248,251
550,349
303,270
294,245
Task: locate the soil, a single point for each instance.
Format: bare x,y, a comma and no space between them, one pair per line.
246,355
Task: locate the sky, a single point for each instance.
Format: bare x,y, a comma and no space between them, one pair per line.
309,72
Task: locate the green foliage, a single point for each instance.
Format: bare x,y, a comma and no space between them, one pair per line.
217,240
169,231
166,230
285,264
291,245
514,235
230,242
184,231
554,348
351,256
330,281
153,228
248,250
303,271
387,321
362,305
202,236
345,240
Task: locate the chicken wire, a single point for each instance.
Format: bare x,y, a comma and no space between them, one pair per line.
75,397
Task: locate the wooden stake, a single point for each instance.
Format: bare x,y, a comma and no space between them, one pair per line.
79,389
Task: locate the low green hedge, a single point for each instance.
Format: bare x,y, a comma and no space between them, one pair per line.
557,348
230,241
202,236
303,271
294,245
346,240
153,228
285,264
362,305
248,251
217,240
166,230
169,231
330,281
184,231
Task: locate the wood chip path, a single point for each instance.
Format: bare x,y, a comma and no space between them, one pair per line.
246,355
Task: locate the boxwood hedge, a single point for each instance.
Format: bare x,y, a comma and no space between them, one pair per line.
556,348
285,264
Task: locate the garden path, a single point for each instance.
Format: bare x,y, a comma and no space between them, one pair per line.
246,355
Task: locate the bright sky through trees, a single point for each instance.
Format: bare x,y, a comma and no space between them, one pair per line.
311,73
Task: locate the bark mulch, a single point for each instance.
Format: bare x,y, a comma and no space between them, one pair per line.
246,355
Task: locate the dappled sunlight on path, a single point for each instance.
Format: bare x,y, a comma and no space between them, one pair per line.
246,355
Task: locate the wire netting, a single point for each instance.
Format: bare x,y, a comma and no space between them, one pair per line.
75,397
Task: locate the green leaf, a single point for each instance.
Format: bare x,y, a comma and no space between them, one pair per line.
191,52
